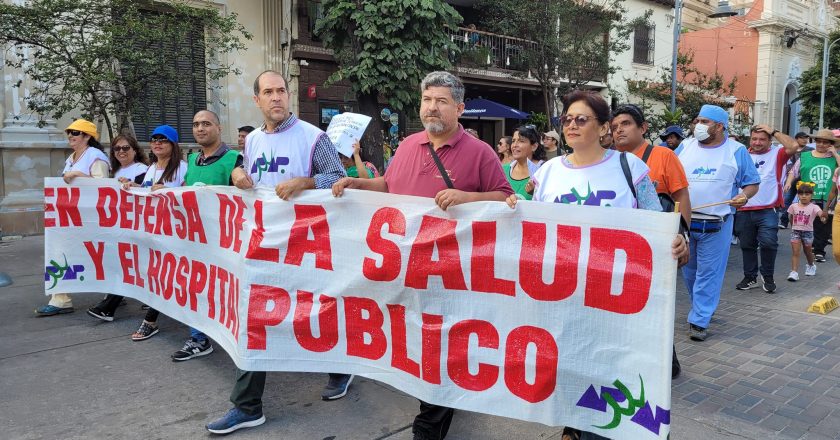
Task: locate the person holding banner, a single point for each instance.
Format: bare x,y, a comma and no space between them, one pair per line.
289,155
718,167
87,160
592,169
527,152
446,163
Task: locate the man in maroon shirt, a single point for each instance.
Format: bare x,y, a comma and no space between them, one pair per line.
471,165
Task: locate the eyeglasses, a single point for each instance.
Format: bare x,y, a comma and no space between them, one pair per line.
159,140
74,132
580,120
118,148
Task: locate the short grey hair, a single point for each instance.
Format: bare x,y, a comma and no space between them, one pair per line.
444,79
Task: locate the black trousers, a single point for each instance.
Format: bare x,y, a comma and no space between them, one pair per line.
110,303
822,231
433,421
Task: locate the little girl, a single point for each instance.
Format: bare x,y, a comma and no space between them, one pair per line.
803,214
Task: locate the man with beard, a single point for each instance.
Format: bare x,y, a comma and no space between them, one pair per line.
468,172
717,168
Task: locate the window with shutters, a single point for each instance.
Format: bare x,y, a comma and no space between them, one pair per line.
174,100
643,39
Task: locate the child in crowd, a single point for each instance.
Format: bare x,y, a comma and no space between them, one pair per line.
803,214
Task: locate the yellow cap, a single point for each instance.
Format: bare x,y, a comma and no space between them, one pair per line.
84,126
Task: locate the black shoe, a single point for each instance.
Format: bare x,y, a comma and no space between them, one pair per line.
769,285
337,386
193,349
819,258
747,283
697,333
675,366
96,312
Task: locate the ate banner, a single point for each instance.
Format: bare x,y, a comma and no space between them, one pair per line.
551,313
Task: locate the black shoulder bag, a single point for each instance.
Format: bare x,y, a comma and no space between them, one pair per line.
440,167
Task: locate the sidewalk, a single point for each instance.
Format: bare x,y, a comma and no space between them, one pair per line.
768,371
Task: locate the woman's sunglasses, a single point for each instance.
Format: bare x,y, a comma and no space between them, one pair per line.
580,120
73,132
121,148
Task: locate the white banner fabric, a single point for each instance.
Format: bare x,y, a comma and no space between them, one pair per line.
551,313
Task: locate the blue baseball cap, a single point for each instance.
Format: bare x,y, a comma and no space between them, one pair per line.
673,129
167,132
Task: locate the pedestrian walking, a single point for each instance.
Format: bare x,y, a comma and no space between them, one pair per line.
444,163
721,177
802,215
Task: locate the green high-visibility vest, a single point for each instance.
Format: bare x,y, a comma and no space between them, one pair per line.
217,173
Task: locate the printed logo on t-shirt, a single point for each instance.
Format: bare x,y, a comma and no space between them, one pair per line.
588,198
704,171
759,164
800,218
820,173
265,165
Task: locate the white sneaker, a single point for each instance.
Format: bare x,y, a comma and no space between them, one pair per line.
734,241
793,276
810,270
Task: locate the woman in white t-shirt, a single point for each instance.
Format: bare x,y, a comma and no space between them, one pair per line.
128,165
128,161
167,169
87,161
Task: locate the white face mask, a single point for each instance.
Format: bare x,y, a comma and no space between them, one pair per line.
701,132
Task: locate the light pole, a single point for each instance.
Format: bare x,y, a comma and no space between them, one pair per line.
675,54
826,49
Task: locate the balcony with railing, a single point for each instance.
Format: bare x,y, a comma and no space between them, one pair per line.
502,54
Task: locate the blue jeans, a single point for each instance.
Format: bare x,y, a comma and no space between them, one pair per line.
703,275
197,335
758,229
789,196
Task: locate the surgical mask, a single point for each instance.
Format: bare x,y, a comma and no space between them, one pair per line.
701,132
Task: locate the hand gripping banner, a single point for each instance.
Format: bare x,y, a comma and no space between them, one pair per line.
551,313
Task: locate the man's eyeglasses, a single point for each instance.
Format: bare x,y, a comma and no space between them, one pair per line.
74,132
118,148
159,140
580,120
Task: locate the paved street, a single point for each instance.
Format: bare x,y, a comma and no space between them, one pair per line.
769,370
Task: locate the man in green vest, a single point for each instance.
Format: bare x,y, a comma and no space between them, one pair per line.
212,165
818,167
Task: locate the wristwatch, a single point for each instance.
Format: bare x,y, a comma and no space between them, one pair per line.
774,133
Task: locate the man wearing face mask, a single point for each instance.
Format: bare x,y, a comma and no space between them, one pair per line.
717,168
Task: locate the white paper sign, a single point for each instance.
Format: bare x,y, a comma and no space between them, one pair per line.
345,129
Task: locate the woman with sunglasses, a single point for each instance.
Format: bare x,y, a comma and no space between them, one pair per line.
527,153
128,161
593,175
129,165
503,149
87,160
166,171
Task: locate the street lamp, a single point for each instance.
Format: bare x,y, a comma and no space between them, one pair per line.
826,50
723,10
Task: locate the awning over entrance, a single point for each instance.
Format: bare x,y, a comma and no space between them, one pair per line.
485,108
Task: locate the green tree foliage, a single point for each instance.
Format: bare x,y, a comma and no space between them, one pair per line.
694,89
809,91
99,56
574,43
384,48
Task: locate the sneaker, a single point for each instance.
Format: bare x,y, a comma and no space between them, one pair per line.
49,310
697,333
793,276
747,283
782,225
233,420
768,284
820,258
146,331
810,270
337,386
734,241
96,312
193,349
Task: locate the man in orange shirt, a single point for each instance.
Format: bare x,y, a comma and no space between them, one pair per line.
628,129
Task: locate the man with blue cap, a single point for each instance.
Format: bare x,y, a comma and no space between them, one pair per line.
721,177
672,137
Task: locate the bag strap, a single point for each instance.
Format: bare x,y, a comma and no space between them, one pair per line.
627,175
648,150
439,164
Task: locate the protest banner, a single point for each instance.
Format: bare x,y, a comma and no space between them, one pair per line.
551,313
345,129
